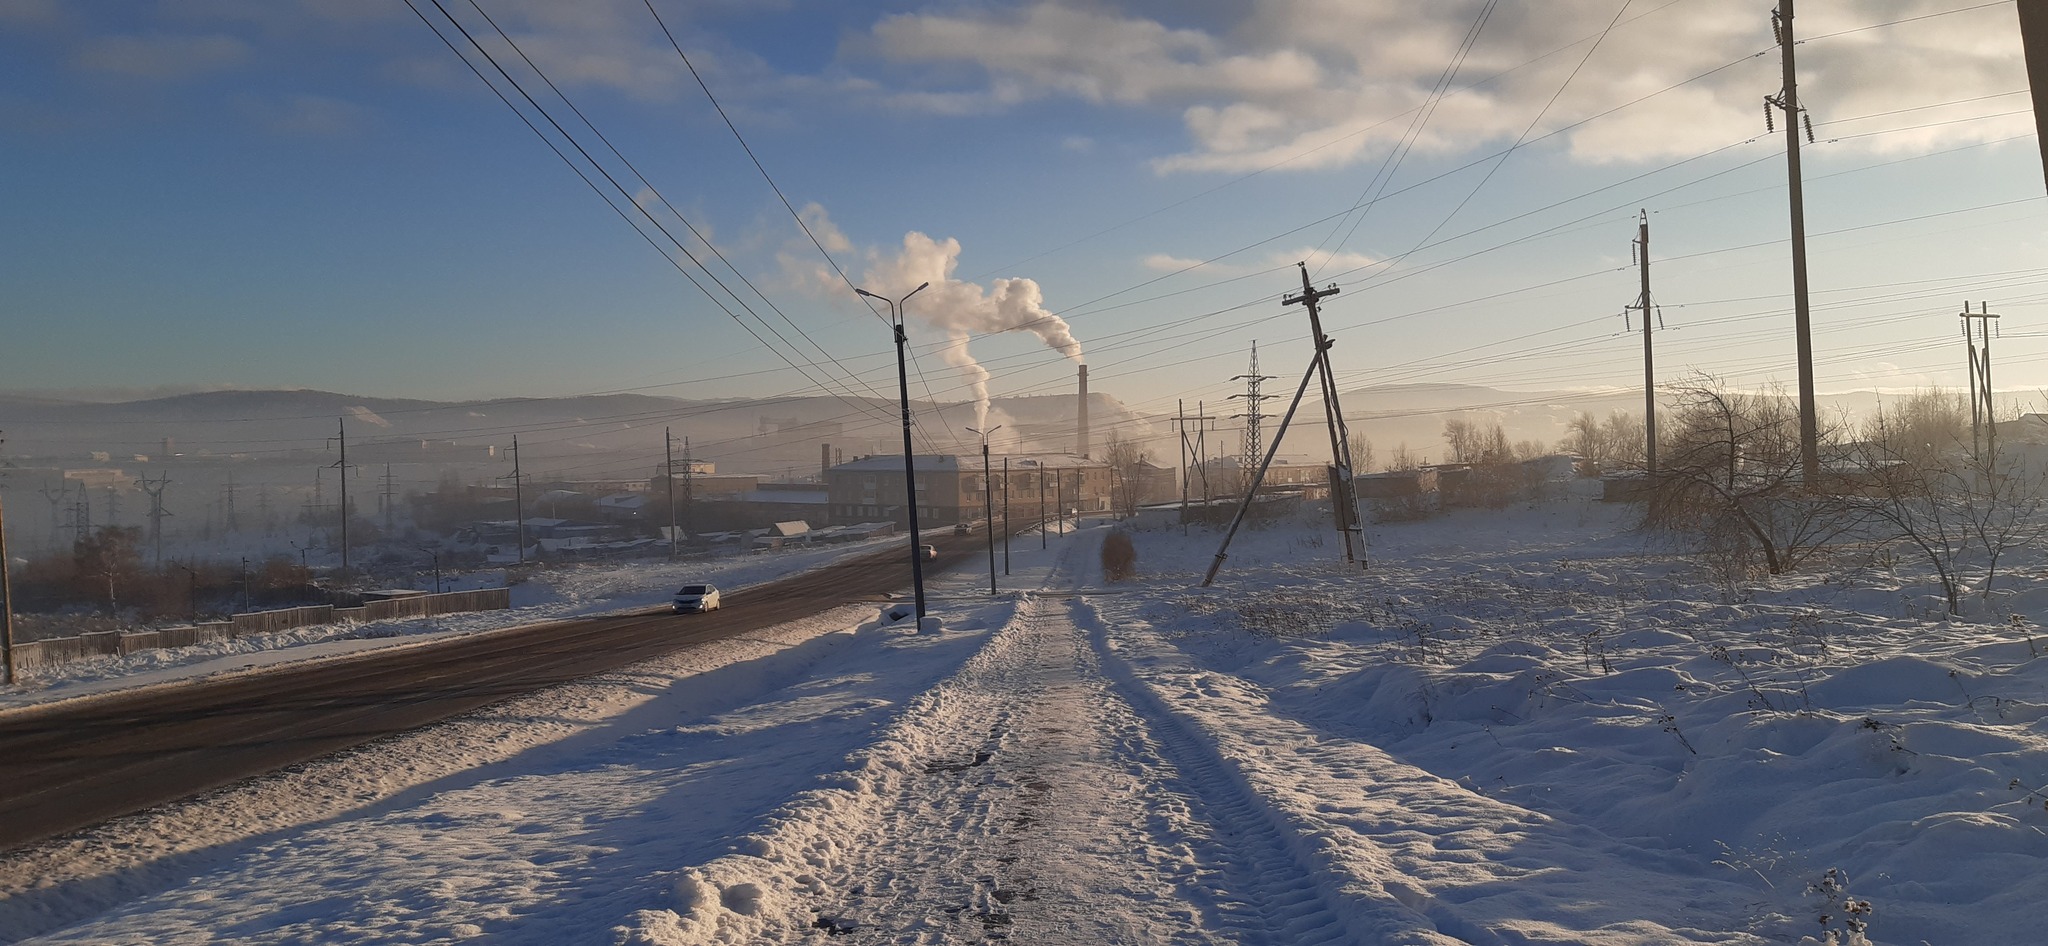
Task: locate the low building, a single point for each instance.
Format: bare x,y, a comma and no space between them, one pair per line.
951,489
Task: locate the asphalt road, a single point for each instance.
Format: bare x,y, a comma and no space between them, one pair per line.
70,765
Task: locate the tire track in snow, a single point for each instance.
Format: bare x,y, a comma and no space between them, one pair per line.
1287,890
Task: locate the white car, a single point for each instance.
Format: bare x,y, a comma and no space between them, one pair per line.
695,598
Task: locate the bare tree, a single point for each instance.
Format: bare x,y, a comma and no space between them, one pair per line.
1729,477
1961,510
1126,473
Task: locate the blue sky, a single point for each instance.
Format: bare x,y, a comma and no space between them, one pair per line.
262,193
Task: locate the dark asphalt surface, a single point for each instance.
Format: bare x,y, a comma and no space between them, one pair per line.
73,764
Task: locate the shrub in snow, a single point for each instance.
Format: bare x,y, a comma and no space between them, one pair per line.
1119,557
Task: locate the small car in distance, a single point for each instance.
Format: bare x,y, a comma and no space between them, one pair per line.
929,553
695,598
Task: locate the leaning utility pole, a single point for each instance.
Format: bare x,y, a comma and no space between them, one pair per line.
1343,491
1787,100
1254,443
1649,370
1980,377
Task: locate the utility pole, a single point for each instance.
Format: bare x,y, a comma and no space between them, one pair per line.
1244,505
988,509
81,514
2034,38
384,499
1787,100
518,500
1644,304
1254,445
154,489
1343,491
668,475
1194,456
341,437
229,522
6,609
1981,414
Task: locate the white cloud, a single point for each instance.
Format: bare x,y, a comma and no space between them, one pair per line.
1314,83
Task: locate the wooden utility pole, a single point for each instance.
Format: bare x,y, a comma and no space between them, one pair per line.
1981,415
1649,368
1194,456
1787,100
2034,37
518,500
1343,491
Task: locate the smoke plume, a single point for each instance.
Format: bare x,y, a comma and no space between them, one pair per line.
963,309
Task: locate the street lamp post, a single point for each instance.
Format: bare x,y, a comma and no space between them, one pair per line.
909,463
436,553
988,508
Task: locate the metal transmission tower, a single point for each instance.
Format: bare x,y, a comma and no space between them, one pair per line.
1787,100
1981,417
54,495
81,515
154,489
1254,441
341,437
1644,304
229,523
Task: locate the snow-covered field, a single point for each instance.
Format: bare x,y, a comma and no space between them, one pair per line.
1524,726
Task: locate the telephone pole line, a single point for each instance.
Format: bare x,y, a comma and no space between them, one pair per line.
1343,492
1254,442
1644,304
1787,100
1981,416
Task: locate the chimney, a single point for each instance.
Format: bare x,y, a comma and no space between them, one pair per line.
1081,438
824,460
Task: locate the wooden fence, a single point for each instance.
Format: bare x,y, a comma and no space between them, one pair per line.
61,650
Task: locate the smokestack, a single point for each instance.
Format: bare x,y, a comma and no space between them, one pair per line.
824,461
1081,438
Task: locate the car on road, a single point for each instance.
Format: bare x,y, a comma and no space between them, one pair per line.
930,553
961,528
696,598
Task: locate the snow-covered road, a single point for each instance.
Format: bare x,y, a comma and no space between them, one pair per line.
1524,726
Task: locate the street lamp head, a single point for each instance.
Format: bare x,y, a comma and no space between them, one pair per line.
868,294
